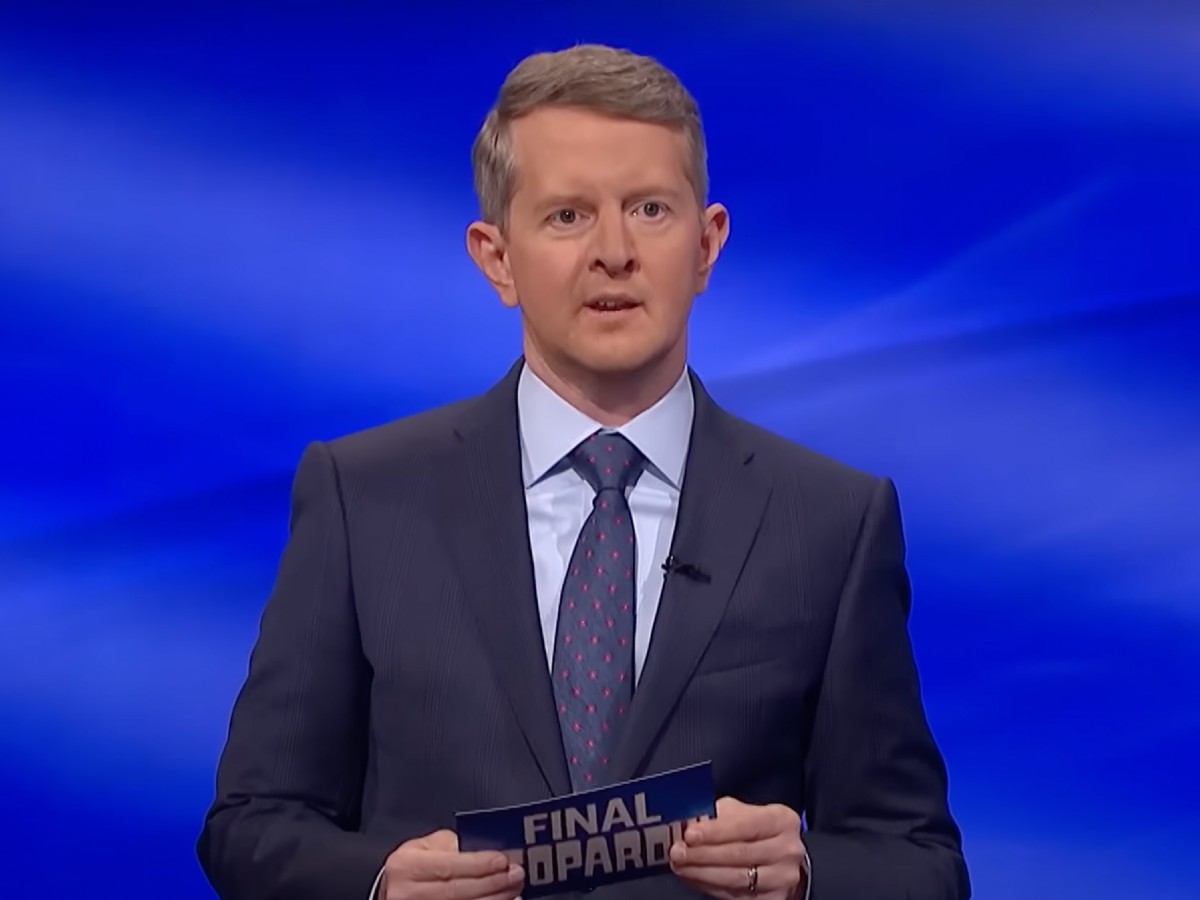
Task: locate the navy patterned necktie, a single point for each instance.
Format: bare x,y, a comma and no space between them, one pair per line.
593,646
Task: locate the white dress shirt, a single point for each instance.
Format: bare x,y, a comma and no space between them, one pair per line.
559,499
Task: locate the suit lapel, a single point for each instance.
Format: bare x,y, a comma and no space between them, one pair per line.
720,509
485,523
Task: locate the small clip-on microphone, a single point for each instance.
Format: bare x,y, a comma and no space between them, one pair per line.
691,572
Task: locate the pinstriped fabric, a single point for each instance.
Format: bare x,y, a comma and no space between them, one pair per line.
400,676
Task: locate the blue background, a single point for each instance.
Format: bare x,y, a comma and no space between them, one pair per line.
965,254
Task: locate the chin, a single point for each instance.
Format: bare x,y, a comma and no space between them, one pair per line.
619,361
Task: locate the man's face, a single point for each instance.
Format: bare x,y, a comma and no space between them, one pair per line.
605,246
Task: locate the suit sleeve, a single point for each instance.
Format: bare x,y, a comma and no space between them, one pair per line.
284,822
878,817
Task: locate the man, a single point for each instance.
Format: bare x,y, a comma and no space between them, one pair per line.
472,609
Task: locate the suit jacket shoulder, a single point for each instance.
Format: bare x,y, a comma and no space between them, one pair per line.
806,475
408,440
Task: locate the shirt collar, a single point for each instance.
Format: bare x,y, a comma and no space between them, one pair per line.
551,428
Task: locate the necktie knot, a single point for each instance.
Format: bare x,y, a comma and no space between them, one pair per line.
608,462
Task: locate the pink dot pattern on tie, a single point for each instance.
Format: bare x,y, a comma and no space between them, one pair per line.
598,606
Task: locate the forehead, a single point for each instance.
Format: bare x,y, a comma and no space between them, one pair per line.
562,148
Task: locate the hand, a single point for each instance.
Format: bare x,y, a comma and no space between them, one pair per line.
716,856
432,868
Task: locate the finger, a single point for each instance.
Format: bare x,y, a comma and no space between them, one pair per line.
513,893
757,853
730,806
444,840
698,883
502,886
743,824
735,881
433,865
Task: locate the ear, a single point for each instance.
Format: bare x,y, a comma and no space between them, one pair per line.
489,250
714,232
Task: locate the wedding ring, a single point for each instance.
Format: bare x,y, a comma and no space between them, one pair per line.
752,879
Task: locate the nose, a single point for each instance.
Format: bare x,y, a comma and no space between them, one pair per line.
613,249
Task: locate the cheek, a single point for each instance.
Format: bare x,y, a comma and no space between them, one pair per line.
547,276
671,267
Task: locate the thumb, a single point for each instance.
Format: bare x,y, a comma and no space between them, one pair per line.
729,806
443,841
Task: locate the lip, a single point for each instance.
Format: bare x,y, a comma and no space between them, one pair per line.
627,300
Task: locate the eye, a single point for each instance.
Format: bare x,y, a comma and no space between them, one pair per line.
651,209
565,217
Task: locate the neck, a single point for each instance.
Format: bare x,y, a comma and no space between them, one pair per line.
611,398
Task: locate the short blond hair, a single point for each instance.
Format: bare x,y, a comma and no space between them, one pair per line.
602,79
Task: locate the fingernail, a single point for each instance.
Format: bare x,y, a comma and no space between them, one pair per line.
515,874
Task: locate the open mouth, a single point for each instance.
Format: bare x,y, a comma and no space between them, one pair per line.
611,304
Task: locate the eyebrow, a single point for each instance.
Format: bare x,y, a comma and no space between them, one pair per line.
567,199
560,201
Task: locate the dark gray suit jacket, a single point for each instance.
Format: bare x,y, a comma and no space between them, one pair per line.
400,675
